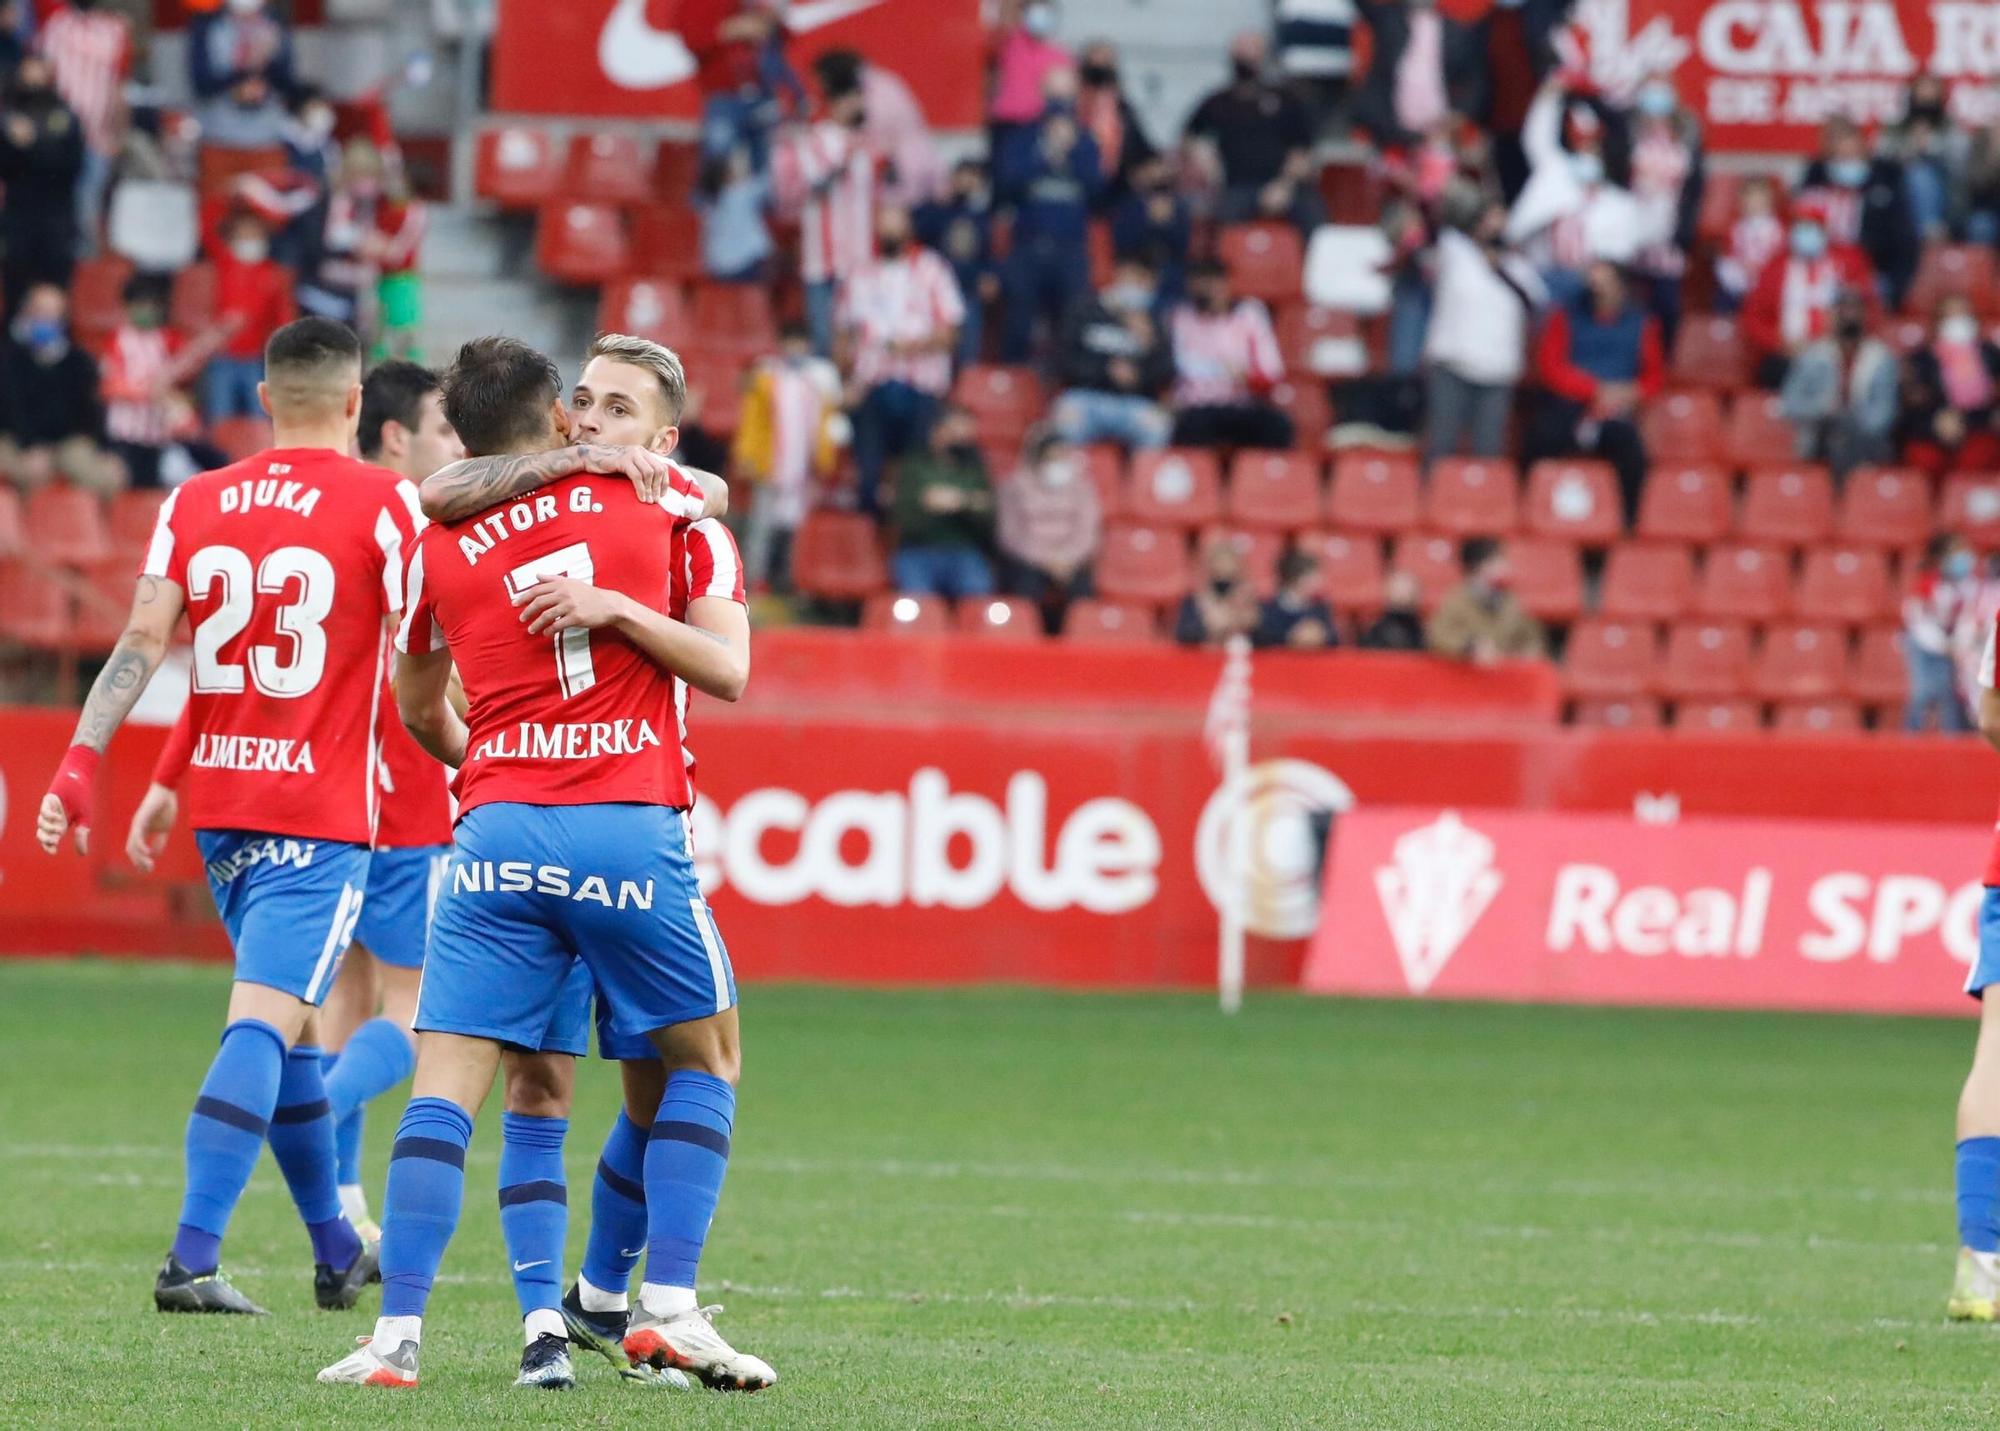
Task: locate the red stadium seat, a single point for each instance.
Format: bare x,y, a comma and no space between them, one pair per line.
1648,581
1683,427
1548,577
1620,713
1758,434
577,242
1000,618
606,168
1611,659
1846,583
1710,353
1103,252
240,437
1139,563
1718,717
133,516
906,615
192,306
837,557
666,242
1744,583
1885,507
1798,662
1123,623
13,525
1707,658
1104,465
1574,498
66,524
1719,193
1305,402
676,169
646,308
1474,497
1877,674
1350,569
34,607
97,299
103,602
1265,261
1959,270
1004,401
1174,487
735,316
1829,716
517,167
1791,503
1433,561
717,375
1686,503
1258,551
1972,508
1321,341
1374,491
1279,491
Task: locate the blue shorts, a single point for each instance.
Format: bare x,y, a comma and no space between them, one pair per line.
396,916
1986,968
290,905
569,1026
532,889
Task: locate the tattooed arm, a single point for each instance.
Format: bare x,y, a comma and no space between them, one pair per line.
468,487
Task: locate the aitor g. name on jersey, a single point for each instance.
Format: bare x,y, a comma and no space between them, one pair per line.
577,718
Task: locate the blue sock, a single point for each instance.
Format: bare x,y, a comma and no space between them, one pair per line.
346,1133
302,1141
420,1208
687,1152
225,1133
1979,1194
377,1058
617,1209
534,1207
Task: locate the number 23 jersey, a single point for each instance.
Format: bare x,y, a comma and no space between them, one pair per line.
574,718
291,561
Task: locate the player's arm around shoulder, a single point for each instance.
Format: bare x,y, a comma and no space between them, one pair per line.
468,487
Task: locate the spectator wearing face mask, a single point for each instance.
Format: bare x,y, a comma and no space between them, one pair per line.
1262,137
731,197
1400,625
1025,50
1864,202
1049,527
253,299
825,175
1108,117
89,47
1153,223
147,367
788,440
1048,175
747,83
1792,304
1426,66
1115,364
41,159
1932,611
240,66
1481,620
1951,392
51,422
1227,360
1669,173
1841,393
1756,238
1933,156
341,239
944,514
1575,208
1978,198
1476,347
1297,617
959,227
1222,605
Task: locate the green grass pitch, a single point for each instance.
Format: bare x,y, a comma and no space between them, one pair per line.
1013,1209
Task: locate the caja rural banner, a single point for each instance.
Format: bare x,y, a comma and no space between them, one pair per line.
1764,74
1539,907
626,58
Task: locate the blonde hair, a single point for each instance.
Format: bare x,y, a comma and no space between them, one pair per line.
656,358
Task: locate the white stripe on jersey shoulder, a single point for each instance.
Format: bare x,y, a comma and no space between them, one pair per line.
389,537
160,550
413,597
407,490
724,562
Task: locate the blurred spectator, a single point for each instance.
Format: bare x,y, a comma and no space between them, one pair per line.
13,37
1951,387
90,48
1262,137
1979,200
395,252
1931,613
41,157
1411,268
1575,207
1108,117
944,514
1669,173
1400,626
960,227
731,196
240,66
1115,364
1049,527
1481,620
335,266
1153,222
1486,301
1756,238
747,84
1024,51
1298,616
1598,359
1792,304
1222,605
1047,174
253,299
1315,44
897,131
1932,158
1841,393
1518,56
51,422
788,439
1426,67
310,146
899,324
1864,202
147,368
1227,361
698,446
826,175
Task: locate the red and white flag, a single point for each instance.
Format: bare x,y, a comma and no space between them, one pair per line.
1229,707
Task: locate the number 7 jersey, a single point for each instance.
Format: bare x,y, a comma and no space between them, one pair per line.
574,718
292,563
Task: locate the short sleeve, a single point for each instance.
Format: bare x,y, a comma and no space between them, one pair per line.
164,557
714,567
419,634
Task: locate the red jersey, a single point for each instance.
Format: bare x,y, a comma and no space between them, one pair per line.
416,790
1989,679
706,563
290,562
579,718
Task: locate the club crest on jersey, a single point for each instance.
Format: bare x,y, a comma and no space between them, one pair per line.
297,853
568,740
270,492
519,876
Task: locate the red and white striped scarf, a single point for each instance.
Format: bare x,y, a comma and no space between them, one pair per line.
1806,308
89,53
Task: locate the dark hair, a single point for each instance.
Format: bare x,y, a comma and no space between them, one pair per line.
1207,268
310,343
393,392
497,392
1475,552
1936,548
838,72
791,328
1295,564
147,288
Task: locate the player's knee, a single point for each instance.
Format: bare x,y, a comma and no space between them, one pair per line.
539,1086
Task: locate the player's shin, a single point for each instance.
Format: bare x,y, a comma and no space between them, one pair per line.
617,1219
534,1216
301,1137
377,1057
347,1152
687,1153
420,1210
225,1134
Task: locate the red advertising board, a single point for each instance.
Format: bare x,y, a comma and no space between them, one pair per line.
1764,74
1565,908
626,58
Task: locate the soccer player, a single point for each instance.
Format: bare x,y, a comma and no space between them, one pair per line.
287,565
1975,1291
571,841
